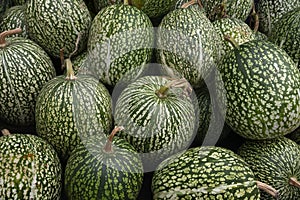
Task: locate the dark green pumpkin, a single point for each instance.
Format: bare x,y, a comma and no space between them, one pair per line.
29,168
24,69
205,173
275,162
104,169
262,90
56,24
120,40
69,109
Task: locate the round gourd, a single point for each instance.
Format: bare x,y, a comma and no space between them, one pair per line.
120,40
275,162
24,69
71,108
14,18
286,34
206,173
262,90
188,43
154,111
104,169
29,168
55,24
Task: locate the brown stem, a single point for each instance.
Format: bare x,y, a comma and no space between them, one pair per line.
293,181
70,71
108,145
76,45
192,2
255,17
5,132
232,41
268,189
4,34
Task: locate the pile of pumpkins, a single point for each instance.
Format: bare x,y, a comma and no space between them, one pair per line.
149,99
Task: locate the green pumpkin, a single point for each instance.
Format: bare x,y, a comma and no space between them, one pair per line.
275,162
188,43
104,169
24,69
262,90
205,173
71,108
56,24
120,40
29,168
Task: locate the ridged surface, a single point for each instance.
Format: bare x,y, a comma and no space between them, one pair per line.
188,44
152,124
68,111
24,69
286,34
94,174
205,173
120,40
29,168
262,90
14,18
55,24
274,162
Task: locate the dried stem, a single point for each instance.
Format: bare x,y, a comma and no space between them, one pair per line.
293,181
268,189
76,45
70,71
4,34
108,145
232,41
5,132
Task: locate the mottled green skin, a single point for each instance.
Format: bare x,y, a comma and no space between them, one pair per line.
205,173
120,40
239,9
274,162
14,18
155,125
260,36
270,11
262,90
94,174
68,111
100,4
24,69
29,168
55,24
286,34
154,8
188,44
235,28
79,62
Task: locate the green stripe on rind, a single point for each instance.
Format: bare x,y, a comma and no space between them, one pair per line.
262,90
69,111
28,164
55,24
24,69
120,40
204,173
274,162
188,44
14,18
153,124
93,174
